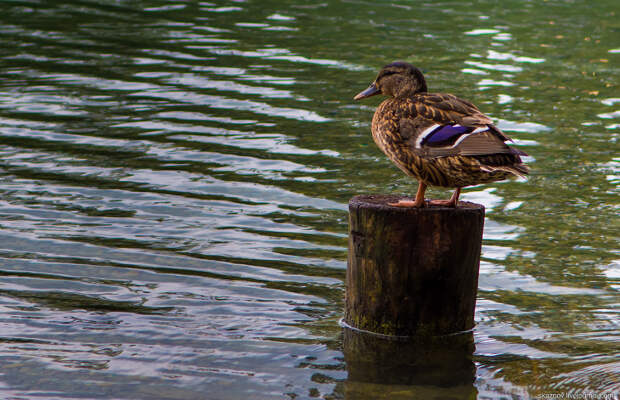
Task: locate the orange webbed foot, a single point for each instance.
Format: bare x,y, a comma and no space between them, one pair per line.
444,203
453,202
407,203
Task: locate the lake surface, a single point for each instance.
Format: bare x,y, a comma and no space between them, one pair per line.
174,179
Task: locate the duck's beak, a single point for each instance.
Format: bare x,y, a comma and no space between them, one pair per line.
371,91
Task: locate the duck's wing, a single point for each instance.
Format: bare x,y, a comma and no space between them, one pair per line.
441,125
447,108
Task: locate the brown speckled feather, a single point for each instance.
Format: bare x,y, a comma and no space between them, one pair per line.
447,108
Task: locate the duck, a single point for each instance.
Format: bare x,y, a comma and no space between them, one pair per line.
437,138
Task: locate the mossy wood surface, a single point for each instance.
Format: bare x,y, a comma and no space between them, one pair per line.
412,271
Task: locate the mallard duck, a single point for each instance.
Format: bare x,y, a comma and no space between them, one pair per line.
437,138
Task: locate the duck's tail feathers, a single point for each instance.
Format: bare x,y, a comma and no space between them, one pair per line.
520,170
517,151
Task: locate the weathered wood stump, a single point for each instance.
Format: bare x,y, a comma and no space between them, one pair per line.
412,271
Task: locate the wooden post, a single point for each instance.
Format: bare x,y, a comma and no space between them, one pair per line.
412,271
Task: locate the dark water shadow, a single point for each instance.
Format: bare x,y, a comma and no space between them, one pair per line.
382,368
61,300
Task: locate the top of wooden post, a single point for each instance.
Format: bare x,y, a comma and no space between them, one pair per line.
380,202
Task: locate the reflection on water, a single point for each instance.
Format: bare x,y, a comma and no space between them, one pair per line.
399,369
173,188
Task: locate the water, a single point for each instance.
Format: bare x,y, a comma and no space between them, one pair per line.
174,178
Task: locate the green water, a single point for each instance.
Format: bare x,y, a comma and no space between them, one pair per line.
174,179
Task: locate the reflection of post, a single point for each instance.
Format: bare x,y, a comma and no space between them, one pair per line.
412,271
380,368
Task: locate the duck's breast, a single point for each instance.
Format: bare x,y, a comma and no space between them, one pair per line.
388,136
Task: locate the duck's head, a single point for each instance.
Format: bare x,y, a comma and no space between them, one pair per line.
398,79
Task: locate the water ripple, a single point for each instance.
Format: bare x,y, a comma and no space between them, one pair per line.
174,179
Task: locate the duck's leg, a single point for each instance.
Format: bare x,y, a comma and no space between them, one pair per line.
448,203
419,198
